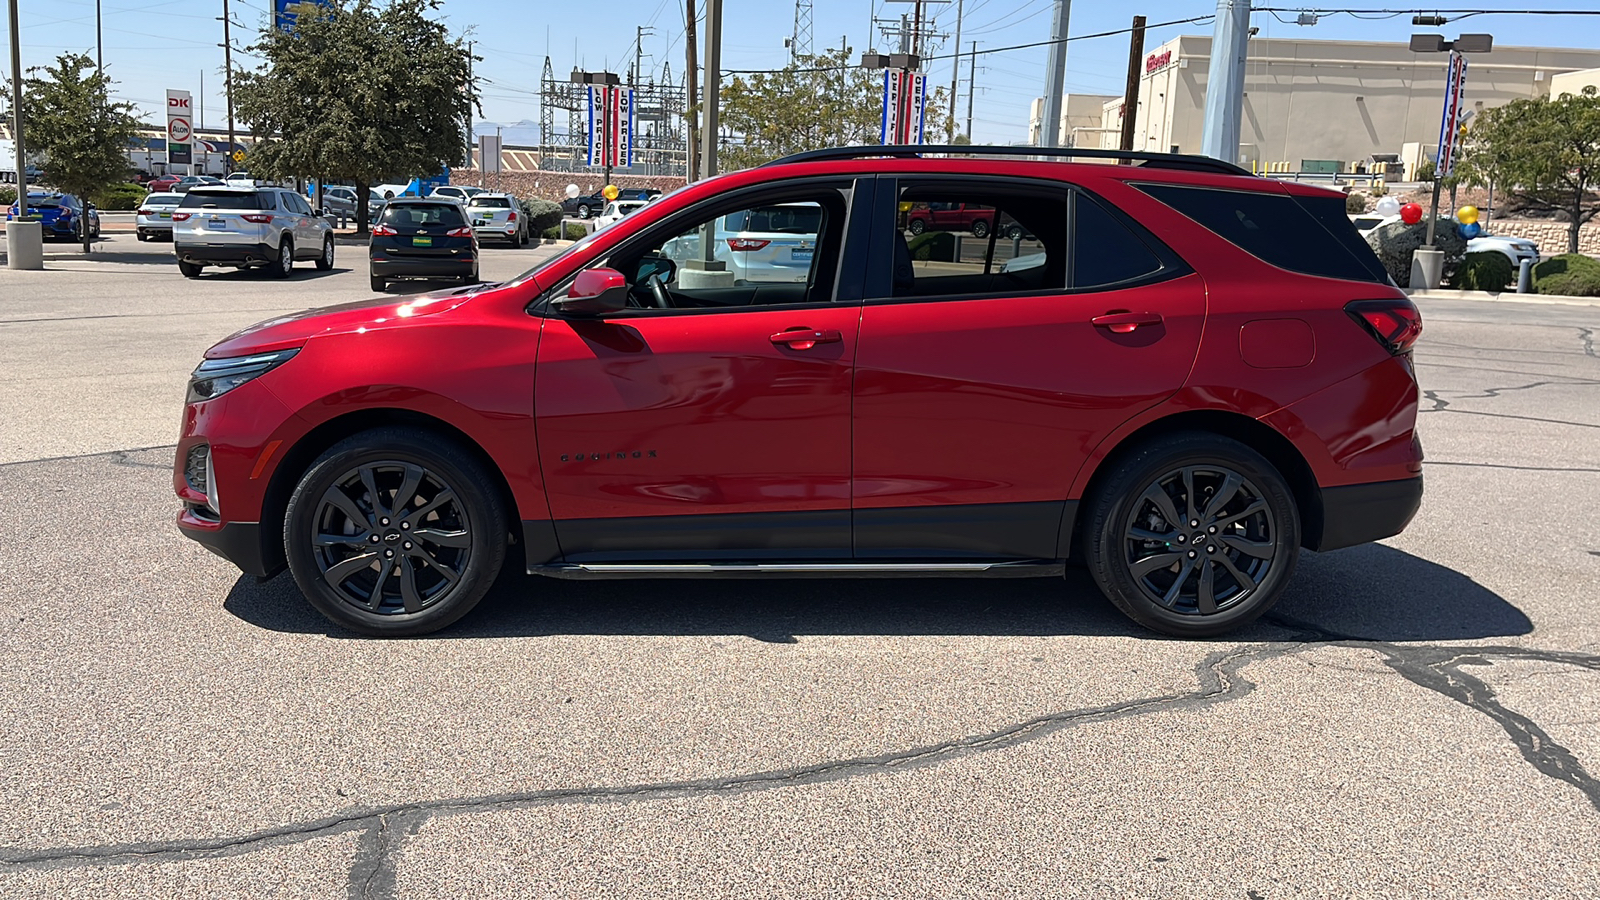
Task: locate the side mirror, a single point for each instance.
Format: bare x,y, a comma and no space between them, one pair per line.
595,292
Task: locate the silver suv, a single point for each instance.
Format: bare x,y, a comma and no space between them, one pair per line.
497,217
244,227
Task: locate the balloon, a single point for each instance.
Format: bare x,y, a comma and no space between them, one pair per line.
1388,206
610,192
1467,215
1470,230
1411,213
572,191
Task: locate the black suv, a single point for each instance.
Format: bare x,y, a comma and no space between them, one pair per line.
584,207
423,238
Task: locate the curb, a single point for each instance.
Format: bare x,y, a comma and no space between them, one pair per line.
1504,297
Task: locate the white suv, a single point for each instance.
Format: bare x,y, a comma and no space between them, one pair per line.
495,217
244,227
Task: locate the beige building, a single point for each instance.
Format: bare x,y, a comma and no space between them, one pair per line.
1312,104
1081,116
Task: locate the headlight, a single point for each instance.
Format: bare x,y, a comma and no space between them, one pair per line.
216,377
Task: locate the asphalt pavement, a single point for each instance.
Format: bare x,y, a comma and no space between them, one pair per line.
1417,718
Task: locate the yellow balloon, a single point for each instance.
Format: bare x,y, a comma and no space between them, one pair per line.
610,192
1466,215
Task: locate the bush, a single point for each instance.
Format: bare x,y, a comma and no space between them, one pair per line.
1425,172
542,214
8,196
937,246
1355,203
1570,274
574,232
1396,242
1486,271
120,197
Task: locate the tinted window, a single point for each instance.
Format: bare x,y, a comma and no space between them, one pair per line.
969,242
490,202
422,214
160,199
218,199
1104,251
1276,229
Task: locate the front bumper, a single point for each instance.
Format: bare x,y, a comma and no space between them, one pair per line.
226,254
1359,513
236,542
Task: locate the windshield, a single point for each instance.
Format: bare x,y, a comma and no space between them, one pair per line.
582,244
490,202
777,220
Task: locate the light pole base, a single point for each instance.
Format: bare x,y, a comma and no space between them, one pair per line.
691,277
24,245
1427,268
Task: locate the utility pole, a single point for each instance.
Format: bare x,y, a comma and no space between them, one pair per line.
1130,95
99,44
955,73
1055,82
472,90
227,65
916,33
692,79
972,80
16,118
708,144
200,111
1230,42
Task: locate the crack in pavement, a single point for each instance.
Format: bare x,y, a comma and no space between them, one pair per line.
1474,412
1484,465
1586,335
372,874
115,454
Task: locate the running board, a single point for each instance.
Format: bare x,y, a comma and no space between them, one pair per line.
1022,568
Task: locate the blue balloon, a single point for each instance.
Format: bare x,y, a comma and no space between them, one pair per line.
1470,230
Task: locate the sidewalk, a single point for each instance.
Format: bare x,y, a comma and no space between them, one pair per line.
1503,297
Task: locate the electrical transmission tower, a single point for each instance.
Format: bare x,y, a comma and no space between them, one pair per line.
800,41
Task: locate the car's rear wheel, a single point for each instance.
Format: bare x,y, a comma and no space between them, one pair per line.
583,210
283,266
980,228
1014,232
189,270
141,236
379,283
1192,535
918,226
325,261
393,533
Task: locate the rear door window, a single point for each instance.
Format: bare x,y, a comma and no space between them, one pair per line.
1310,235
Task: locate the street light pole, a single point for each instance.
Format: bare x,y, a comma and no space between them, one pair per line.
227,85
1427,264
16,115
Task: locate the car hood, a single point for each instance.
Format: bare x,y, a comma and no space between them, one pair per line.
296,329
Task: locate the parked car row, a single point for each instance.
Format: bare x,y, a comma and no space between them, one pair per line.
1514,249
595,204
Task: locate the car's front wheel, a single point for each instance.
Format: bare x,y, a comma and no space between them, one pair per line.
583,210
283,266
325,261
980,229
1192,535
392,533
918,226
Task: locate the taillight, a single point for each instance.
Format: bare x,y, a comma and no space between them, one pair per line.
512,217
257,218
143,212
1394,322
744,244
181,217
463,231
383,231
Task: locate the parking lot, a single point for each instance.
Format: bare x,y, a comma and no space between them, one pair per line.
1417,718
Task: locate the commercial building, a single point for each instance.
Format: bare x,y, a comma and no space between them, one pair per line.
1311,105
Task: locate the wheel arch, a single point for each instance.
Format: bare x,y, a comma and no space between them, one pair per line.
298,459
1262,438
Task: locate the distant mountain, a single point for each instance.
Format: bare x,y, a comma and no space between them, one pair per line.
518,134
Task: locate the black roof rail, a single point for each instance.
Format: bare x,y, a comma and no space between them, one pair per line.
1153,160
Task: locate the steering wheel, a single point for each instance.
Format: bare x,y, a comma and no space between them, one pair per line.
658,291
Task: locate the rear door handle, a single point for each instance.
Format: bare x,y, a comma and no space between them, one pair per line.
806,338
1121,321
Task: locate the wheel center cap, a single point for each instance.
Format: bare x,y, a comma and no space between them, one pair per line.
391,537
1198,538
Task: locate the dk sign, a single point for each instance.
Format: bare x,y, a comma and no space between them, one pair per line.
180,129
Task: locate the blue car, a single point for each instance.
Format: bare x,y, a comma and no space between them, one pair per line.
62,215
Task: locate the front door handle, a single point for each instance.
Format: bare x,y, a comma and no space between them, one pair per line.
803,338
1120,321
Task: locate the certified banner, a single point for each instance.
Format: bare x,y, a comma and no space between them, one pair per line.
1450,121
890,132
916,104
180,129
597,125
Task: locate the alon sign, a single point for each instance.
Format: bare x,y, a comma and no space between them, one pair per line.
180,129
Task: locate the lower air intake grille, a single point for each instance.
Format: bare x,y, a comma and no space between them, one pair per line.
194,468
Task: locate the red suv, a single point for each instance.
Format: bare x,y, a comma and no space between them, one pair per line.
1183,375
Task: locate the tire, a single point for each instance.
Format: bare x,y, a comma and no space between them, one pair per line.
141,236
379,283
583,210
325,261
283,266
918,226
980,229
189,270
1014,232
1176,603
333,500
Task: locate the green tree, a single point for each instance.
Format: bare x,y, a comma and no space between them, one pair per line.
1544,153
81,135
359,93
814,102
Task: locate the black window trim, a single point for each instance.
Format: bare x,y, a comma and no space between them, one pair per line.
886,218
856,190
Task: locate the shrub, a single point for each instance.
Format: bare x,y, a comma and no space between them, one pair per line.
1425,172
573,230
1570,274
542,214
8,196
120,197
939,246
1486,271
1396,242
1355,203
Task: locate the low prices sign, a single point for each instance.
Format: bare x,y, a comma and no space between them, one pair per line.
611,126
180,129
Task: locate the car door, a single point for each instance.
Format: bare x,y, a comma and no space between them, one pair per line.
986,374
716,426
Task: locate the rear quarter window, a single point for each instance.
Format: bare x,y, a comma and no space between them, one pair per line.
1310,235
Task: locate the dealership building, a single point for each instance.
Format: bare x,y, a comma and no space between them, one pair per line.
1319,106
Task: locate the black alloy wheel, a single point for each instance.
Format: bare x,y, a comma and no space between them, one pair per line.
980,229
392,532
1193,535
918,226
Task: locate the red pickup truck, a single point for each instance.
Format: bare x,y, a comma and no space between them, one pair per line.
950,217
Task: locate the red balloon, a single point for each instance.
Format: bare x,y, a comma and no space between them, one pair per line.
1411,213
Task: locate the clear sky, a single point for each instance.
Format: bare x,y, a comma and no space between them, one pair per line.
152,46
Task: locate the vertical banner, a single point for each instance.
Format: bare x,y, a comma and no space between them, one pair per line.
1449,123
890,132
916,91
180,129
622,128
597,125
